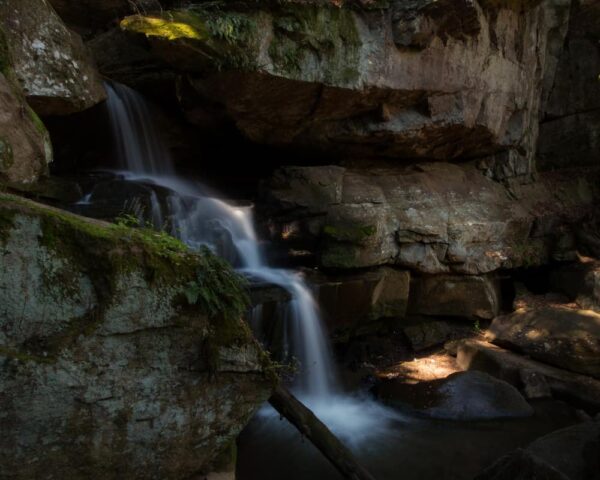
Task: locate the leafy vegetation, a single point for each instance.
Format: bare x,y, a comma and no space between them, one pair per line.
217,289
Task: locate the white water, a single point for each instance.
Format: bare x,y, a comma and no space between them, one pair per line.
199,218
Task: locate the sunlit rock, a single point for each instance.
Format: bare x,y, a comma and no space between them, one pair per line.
563,336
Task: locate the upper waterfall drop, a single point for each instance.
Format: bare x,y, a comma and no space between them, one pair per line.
198,219
139,146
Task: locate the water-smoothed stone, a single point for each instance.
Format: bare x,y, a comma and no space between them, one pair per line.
563,336
106,366
54,68
436,80
460,396
432,218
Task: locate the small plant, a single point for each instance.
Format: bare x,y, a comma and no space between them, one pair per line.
477,327
217,289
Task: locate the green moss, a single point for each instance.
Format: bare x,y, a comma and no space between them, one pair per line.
107,251
6,155
165,28
218,290
349,233
37,122
5,62
305,33
222,38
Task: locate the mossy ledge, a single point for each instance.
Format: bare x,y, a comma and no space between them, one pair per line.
109,253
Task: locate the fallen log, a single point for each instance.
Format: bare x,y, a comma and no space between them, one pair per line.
317,432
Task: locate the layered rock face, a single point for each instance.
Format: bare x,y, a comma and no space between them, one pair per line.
107,368
434,80
432,218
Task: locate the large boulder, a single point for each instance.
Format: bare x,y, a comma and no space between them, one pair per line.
25,148
51,63
427,79
109,363
460,396
563,336
432,218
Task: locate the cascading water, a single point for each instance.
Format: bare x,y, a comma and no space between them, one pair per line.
198,218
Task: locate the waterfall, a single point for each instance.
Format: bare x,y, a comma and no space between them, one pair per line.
198,218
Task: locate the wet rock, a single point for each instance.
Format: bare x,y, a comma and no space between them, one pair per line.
455,296
50,62
416,80
106,367
461,396
561,336
432,218
521,465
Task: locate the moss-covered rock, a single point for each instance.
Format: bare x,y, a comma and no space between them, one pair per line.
107,364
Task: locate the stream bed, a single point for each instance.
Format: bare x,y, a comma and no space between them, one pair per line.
393,445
